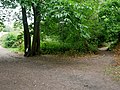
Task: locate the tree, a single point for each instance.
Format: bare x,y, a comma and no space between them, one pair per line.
36,35
74,23
25,5
27,39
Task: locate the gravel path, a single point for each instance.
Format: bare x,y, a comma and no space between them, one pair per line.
55,72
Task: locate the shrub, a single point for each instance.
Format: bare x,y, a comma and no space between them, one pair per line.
109,19
9,40
13,40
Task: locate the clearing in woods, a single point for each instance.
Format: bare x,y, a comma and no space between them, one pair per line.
51,72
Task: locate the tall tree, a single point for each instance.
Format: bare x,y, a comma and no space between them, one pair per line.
27,4
27,39
36,35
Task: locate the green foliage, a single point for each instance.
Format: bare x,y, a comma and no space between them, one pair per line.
74,23
13,40
17,25
9,40
20,41
2,26
109,17
54,47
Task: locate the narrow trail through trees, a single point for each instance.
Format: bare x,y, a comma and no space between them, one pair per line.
55,73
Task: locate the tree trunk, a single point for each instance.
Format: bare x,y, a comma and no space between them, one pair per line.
36,35
118,37
27,39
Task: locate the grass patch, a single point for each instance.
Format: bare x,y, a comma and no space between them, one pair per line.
16,50
114,72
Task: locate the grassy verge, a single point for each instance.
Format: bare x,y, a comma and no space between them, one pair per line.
114,72
15,50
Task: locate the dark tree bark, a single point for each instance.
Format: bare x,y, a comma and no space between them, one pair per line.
36,35
27,38
118,37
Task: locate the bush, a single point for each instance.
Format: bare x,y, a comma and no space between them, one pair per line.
109,19
9,40
13,40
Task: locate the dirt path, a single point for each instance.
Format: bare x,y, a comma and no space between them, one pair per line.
55,73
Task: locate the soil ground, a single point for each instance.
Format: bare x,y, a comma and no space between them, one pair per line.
50,72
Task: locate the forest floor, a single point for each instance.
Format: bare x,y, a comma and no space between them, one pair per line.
51,72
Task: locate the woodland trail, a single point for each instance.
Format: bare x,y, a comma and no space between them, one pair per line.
50,72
